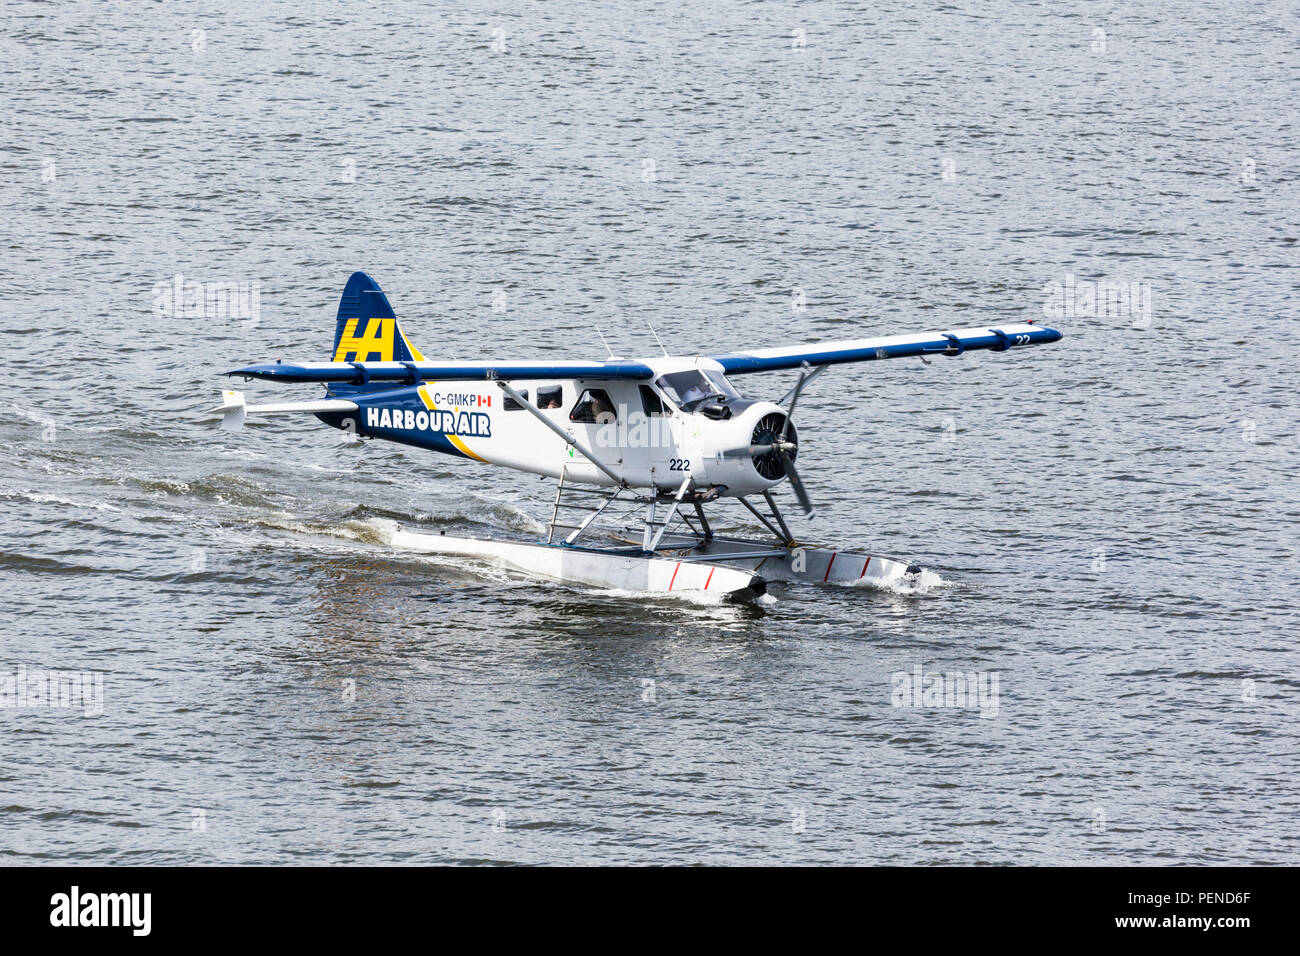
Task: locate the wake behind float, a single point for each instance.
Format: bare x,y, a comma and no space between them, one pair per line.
640,447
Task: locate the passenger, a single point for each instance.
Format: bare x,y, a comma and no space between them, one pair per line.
601,410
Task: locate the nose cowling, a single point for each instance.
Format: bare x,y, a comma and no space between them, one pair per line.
768,431
724,446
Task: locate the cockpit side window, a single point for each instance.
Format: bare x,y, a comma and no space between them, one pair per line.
511,405
593,408
651,403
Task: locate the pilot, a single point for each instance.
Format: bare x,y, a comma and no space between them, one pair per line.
695,391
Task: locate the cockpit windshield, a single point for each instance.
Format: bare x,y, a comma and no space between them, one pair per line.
694,386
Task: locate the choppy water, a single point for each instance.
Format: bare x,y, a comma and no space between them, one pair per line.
1114,517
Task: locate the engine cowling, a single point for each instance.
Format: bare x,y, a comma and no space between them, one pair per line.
759,423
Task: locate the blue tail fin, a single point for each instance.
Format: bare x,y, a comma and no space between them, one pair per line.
367,329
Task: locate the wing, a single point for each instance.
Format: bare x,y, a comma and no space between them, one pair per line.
886,346
359,373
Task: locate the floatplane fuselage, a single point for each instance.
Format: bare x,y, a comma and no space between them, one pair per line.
666,434
639,431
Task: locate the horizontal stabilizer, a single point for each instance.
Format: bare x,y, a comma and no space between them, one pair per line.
233,410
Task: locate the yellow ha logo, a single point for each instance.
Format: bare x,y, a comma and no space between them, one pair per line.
374,344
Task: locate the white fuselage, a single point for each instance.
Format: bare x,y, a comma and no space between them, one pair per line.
637,429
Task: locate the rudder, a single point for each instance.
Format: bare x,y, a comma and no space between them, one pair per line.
366,329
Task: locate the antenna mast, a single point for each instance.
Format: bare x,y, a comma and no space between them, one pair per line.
602,338
656,335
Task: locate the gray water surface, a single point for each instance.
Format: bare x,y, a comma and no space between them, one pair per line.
1113,518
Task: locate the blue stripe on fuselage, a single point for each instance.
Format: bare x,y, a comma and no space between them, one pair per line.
373,403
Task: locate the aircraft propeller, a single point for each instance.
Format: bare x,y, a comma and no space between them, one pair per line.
779,447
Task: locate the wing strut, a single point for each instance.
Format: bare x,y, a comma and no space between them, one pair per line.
568,439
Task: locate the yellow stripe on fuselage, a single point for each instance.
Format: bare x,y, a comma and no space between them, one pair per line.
423,392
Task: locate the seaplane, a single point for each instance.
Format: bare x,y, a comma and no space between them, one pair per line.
643,450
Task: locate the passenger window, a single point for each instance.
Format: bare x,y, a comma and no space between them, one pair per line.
511,405
593,408
651,403
551,397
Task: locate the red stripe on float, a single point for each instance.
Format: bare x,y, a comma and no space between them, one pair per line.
829,564
864,569
675,570
709,578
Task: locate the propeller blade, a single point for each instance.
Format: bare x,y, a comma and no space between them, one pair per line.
794,398
799,491
754,451
784,400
